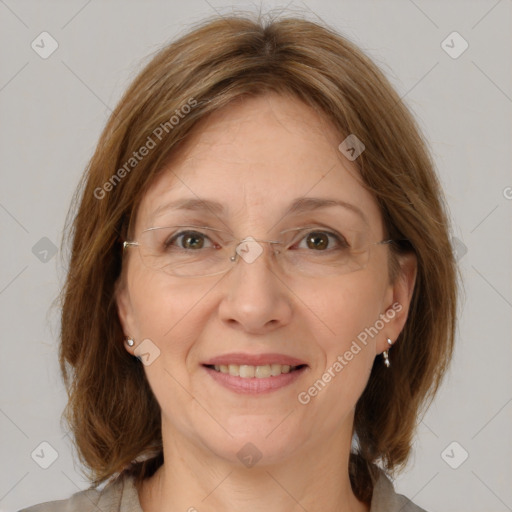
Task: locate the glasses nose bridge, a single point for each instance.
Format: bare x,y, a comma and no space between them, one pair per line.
249,248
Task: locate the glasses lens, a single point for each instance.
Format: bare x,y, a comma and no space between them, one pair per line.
186,250
318,252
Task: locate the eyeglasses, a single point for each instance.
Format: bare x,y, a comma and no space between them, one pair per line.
200,251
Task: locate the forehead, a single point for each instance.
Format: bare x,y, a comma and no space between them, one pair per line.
256,158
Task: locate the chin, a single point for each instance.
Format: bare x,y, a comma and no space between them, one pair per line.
257,441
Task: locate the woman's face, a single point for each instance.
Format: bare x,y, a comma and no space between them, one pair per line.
256,158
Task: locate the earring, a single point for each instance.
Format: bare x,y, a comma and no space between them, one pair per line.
386,356
130,342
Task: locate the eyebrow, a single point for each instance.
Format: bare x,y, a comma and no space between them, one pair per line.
299,205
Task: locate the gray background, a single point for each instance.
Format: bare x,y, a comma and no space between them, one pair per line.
52,111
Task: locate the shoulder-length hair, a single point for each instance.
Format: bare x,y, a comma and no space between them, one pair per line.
112,411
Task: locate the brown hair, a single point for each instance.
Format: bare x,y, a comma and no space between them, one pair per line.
112,411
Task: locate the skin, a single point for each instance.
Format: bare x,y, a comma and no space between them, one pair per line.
255,157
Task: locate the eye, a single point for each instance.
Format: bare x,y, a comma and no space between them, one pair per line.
192,240
321,241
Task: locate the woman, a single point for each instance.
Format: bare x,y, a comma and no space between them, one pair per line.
262,293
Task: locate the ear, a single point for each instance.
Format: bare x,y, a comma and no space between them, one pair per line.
125,311
398,300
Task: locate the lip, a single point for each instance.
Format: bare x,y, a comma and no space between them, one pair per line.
254,359
255,386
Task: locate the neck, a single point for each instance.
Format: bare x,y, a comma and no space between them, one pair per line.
195,479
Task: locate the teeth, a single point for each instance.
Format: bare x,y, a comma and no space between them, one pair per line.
246,371
275,369
260,372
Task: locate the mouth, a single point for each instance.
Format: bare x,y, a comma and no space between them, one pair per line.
246,371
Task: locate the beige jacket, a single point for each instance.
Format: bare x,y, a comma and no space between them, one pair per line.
121,496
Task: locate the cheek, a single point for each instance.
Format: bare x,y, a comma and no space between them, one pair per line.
167,316
346,309
163,311
348,344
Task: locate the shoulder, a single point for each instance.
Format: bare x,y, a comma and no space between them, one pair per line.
385,499
119,495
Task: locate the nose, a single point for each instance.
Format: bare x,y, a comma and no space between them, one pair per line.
255,299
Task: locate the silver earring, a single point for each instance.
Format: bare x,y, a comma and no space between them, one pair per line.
385,355
130,342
